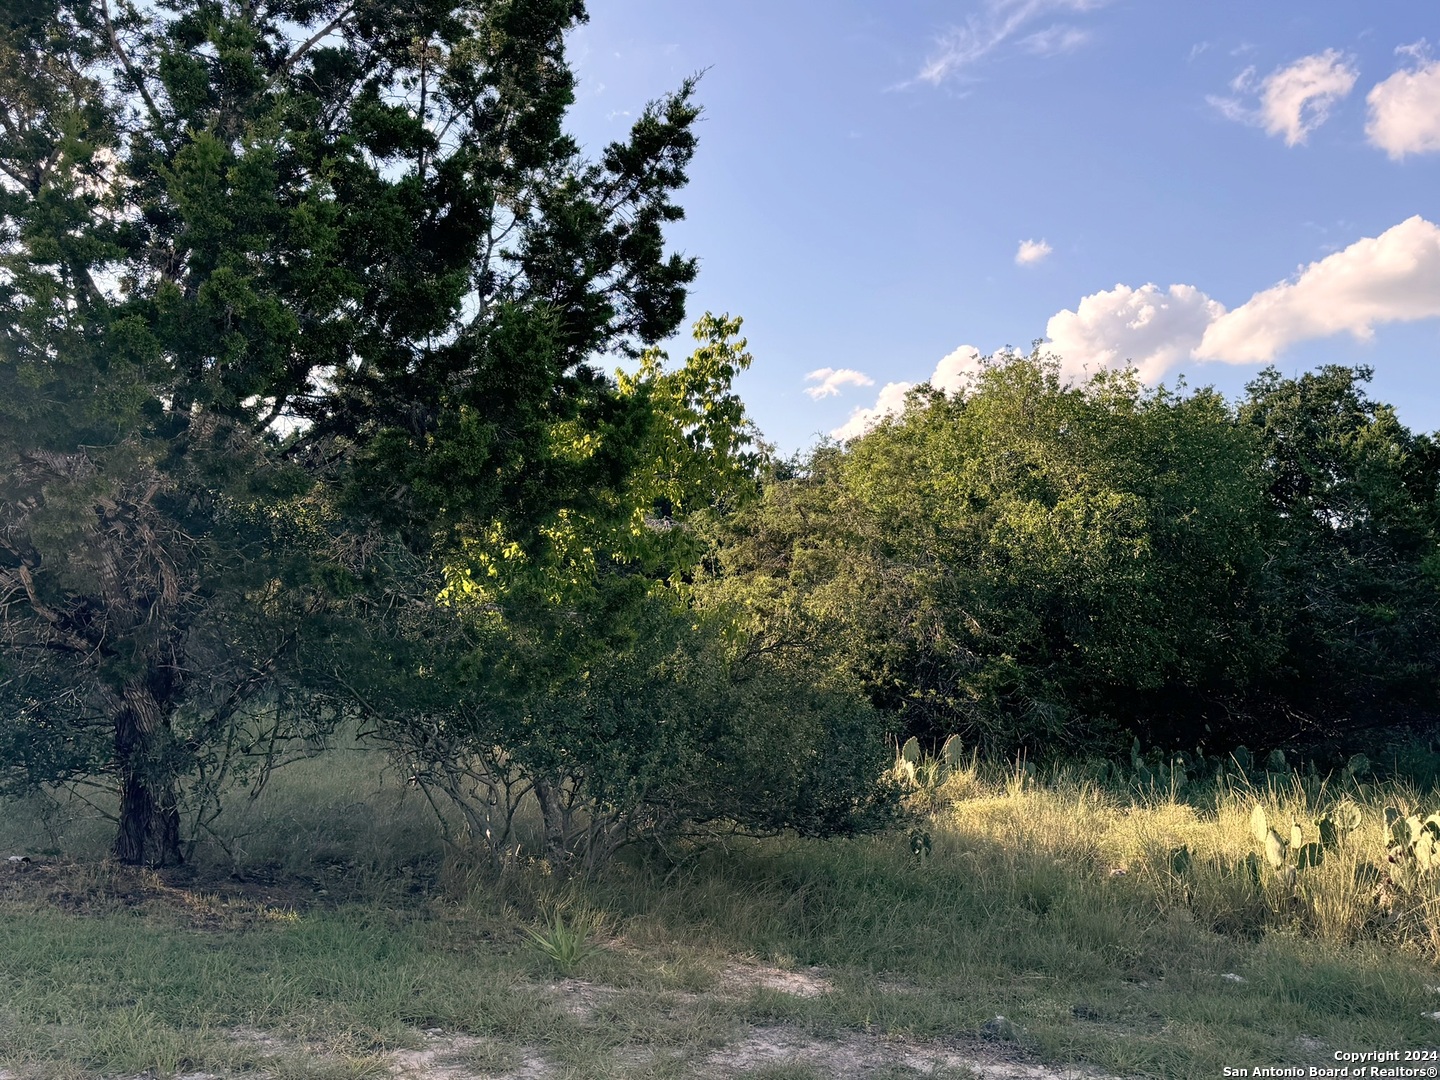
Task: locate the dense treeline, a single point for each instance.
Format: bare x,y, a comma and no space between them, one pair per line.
1041,565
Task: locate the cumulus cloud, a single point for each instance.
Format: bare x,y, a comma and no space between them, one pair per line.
1002,21
830,380
954,373
1149,328
1394,277
891,402
1032,251
1291,101
1405,108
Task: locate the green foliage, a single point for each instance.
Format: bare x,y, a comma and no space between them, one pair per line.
293,295
1064,567
1005,561
586,671
1350,585
565,944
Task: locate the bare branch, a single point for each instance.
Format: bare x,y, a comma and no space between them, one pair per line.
299,53
155,115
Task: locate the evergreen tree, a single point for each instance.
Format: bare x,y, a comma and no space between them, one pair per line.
278,279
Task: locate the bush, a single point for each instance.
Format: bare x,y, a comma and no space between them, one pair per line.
638,722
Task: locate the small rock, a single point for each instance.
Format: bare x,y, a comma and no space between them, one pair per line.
999,1028
1431,1016
1230,976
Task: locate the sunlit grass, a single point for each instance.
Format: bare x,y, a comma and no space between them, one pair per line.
329,918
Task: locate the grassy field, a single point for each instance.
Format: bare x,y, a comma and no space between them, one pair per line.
1052,929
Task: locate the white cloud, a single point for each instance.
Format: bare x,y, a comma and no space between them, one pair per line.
954,373
1148,328
832,379
957,370
1405,108
1054,40
1297,99
891,402
1292,101
1032,251
998,22
1394,277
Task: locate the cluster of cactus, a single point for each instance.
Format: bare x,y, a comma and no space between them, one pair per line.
916,771
1157,769
1289,854
920,777
1414,844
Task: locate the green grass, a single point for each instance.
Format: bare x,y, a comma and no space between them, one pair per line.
329,928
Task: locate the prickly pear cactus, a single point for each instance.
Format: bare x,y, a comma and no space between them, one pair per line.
1276,849
911,751
1259,824
1290,853
1414,845
951,751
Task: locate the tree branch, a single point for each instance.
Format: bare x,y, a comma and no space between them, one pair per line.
299,53
155,115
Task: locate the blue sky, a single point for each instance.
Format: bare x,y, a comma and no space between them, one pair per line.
882,188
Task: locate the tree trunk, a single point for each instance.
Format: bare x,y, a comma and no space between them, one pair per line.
149,827
552,817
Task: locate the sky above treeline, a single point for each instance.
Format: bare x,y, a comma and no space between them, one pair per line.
885,190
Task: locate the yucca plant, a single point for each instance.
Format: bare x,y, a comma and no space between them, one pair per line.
564,944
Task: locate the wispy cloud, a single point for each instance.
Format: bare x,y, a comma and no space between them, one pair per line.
1054,40
830,380
1000,23
1293,100
1032,251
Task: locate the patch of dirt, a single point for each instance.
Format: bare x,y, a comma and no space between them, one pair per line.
581,998
737,980
442,1059
857,1055
258,1039
850,1057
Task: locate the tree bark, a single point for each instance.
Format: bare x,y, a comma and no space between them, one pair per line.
148,832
